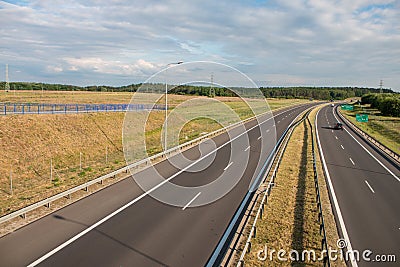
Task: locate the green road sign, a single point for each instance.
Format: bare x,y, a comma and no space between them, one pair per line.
362,117
346,107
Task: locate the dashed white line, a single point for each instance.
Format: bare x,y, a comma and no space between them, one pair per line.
342,146
247,148
228,166
336,137
190,202
279,121
267,130
259,137
352,161
370,187
109,216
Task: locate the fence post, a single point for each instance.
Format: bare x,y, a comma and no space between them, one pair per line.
106,154
5,109
11,183
80,161
51,170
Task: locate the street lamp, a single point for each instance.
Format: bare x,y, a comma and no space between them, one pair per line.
166,101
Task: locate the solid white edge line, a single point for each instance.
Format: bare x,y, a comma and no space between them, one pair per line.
353,262
77,236
383,165
228,166
190,202
370,187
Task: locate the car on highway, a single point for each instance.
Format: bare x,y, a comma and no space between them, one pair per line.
338,126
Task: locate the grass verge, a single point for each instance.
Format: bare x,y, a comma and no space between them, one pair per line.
291,218
384,129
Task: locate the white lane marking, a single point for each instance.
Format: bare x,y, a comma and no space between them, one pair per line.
279,121
190,202
332,131
335,201
106,218
268,131
383,165
370,187
247,148
259,137
352,162
228,166
336,137
342,146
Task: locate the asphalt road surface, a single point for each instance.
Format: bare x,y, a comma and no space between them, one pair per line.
367,190
122,226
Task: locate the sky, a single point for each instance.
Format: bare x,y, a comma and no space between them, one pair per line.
274,42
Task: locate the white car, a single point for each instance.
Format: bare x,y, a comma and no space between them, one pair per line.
332,105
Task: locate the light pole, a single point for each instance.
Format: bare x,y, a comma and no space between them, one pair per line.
166,102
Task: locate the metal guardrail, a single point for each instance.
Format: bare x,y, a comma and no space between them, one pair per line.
260,211
46,202
324,243
369,138
46,108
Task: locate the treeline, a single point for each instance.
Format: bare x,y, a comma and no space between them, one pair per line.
387,104
323,93
29,86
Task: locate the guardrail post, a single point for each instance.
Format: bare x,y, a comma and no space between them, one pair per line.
5,109
254,231
248,247
323,243
23,215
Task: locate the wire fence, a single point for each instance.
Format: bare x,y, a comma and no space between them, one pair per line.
48,108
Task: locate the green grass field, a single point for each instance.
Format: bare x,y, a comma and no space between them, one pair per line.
384,129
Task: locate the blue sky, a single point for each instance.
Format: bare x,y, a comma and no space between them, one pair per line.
276,43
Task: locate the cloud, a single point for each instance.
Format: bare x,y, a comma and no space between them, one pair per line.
316,41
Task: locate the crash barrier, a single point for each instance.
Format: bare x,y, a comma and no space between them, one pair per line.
372,140
221,249
266,194
132,167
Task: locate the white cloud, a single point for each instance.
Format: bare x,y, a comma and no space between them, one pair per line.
339,42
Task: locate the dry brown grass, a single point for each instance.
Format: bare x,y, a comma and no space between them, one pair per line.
30,142
291,219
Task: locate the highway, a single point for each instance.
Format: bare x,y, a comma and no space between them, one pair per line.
365,189
122,226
